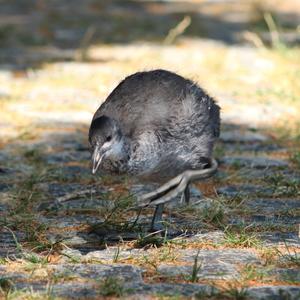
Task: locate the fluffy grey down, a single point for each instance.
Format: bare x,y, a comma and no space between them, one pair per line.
161,124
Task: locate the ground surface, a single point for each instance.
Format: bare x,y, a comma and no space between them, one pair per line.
67,234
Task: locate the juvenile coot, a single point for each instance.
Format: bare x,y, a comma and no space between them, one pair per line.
158,127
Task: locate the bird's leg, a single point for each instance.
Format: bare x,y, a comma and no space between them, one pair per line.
186,195
168,191
146,198
156,223
172,188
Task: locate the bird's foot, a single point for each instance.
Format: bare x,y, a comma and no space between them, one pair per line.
175,186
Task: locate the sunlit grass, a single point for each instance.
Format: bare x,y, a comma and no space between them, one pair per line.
271,80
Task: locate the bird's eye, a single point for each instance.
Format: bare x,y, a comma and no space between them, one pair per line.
108,139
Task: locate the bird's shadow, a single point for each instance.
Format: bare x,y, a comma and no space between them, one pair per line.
140,234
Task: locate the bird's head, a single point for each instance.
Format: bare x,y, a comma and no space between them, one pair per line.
105,138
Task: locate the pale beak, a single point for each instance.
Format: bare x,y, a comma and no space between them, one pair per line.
97,158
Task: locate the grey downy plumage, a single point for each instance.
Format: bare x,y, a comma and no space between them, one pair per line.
154,126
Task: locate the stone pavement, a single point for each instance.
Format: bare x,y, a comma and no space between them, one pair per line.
237,240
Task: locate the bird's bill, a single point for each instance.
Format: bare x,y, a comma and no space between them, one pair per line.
97,159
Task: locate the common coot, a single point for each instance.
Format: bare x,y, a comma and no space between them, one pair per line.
158,127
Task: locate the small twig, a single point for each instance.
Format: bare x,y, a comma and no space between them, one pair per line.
153,233
177,30
73,195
